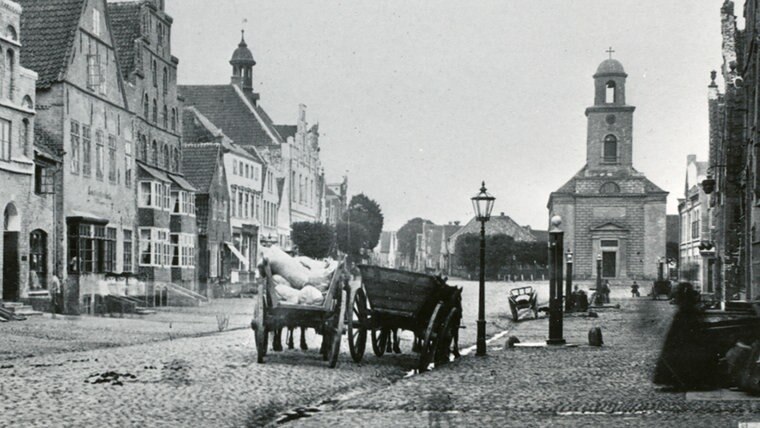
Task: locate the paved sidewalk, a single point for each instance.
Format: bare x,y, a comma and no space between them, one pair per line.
607,386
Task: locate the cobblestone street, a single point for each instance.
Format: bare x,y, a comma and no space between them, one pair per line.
132,372
608,386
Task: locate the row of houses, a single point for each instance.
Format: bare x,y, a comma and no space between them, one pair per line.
435,246
719,213
118,180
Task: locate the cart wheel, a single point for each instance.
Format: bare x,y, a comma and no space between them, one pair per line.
261,335
445,337
356,326
380,340
428,343
337,333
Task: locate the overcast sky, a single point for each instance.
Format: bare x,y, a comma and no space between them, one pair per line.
421,100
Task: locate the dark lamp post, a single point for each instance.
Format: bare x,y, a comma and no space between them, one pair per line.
569,281
482,204
598,271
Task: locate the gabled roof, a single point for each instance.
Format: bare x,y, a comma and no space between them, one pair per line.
199,163
501,224
47,143
610,226
197,128
125,29
286,131
48,29
234,112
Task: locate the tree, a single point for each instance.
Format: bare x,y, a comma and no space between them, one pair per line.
351,238
366,212
407,236
499,251
314,239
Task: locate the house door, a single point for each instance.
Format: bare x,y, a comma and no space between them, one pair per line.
10,266
609,264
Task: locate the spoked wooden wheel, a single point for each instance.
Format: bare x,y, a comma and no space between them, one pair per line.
356,326
335,335
446,334
261,335
429,341
380,339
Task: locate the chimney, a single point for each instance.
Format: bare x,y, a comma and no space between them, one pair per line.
691,158
456,223
502,214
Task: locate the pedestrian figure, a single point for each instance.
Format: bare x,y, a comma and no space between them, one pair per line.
55,291
580,300
635,289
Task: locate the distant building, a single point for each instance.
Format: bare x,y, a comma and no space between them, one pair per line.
336,201
29,171
447,249
695,260
611,212
386,253
500,224
204,166
292,159
83,107
246,175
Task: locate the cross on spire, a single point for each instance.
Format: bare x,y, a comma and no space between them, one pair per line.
610,51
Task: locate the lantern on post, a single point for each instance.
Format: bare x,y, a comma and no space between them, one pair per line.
482,204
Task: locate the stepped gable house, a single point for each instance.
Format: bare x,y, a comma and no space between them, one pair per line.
609,210
166,223
28,166
83,107
292,158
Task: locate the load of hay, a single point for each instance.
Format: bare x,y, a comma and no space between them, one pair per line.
298,280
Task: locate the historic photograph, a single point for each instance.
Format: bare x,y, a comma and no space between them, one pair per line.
253,213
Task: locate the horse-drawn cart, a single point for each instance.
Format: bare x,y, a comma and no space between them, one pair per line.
389,300
271,315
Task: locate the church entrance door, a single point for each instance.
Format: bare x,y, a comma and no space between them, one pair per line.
609,264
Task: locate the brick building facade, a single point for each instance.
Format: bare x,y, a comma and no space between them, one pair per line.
167,231
27,173
610,211
82,105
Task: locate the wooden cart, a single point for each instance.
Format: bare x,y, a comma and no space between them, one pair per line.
390,299
523,298
271,315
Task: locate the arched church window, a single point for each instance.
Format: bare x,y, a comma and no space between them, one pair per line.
610,94
610,150
154,153
10,33
146,108
609,187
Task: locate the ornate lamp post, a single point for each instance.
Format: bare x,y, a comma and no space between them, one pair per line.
482,203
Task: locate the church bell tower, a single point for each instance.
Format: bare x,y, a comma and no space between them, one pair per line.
609,145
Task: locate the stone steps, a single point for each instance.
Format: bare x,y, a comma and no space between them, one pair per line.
20,309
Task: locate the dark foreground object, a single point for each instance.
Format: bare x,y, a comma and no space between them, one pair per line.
693,353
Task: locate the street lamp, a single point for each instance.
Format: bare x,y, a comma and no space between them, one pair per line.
598,271
569,281
482,204
660,269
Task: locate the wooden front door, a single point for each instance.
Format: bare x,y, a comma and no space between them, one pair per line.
10,266
609,264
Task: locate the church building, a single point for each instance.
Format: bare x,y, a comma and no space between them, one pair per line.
612,215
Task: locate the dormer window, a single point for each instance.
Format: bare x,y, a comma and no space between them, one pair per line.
610,149
609,97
